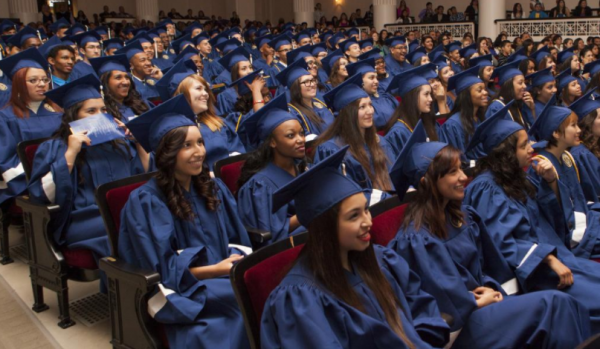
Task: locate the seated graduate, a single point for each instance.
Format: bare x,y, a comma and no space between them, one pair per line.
468,112
122,100
237,62
312,63
319,51
444,73
141,69
281,44
567,59
396,60
370,155
28,115
543,86
556,130
212,68
414,89
453,51
312,112
568,87
88,43
512,204
593,69
220,139
160,59
418,57
513,87
383,103
278,138
543,59
486,70
587,110
448,246
383,76
335,67
225,48
266,60
181,224
191,53
112,45
342,291
67,173
61,58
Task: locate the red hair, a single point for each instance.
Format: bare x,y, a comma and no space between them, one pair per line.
19,97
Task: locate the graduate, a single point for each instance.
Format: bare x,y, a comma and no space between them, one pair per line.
237,63
282,45
61,58
89,47
280,156
266,53
449,247
486,69
28,115
593,69
212,68
414,89
453,50
384,103
311,111
342,291
183,224
160,59
444,73
221,141
335,67
418,57
141,69
469,111
370,155
319,51
112,45
396,60
543,87
313,64
587,111
225,48
68,168
567,59
513,207
568,87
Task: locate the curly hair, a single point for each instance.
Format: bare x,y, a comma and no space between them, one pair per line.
166,159
587,136
133,100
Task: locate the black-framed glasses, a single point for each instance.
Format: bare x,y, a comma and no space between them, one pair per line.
309,83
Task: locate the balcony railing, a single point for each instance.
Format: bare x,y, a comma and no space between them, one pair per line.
457,29
571,27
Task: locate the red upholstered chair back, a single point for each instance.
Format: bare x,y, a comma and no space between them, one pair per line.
388,216
229,170
30,153
26,152
441,121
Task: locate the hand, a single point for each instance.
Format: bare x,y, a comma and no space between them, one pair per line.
224,266
125,129
439,92
257,84
485,296
76,141
545,169
563,272
156,73
528,100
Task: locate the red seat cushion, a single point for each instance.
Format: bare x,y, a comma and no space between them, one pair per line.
117,198
597,260
441,121
230,174
262,278
30,153
79,258
386,225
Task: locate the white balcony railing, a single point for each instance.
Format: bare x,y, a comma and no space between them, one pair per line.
457,29
540,28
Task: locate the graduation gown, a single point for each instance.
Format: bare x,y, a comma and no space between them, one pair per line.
226,101
220,144
81,69
384,83
525,113
539,106
453,267
146,87
261,63
398,135
394,67
452,132
301,313
589,172
196,313
128,113
525,235
310,128
5,89
384,105
223,77
322,76
211,70
79,225
456,67
14,130
162,63
276,68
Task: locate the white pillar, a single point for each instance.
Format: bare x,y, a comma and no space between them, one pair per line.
246,10
384,12
488,13
304,11
147,9
25,10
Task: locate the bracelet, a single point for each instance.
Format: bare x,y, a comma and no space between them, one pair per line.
257,102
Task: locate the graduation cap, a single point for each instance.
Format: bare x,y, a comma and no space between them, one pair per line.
519,55
200,37
143,38
186,54
549,120
7,25
506,72
60,24
464,80
326,36
293,72
49,45
436,52
468,50
408,80
86,37
164,22
249,32
481,61
361,67
352,31
329,61
262,31
299,53
150,127
22,35
109,63
30,58
261,124
414,160
395,40
413,45
227,46
305,34
336,38
159,29
440,62
265,39
585,105
139,31
75,29
494,130
453,46
540,54
417,54
168,84
592,67
374,53
563,79
79,90
153,33
540,77
128,30
112,43
240,83
279,41
565,54
219,38
317,190
288,25
240,54
101,30
131,49
178,44
346,93
234,30
366,43
190,28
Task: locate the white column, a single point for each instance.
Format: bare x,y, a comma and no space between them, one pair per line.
488,13
304,11
384,12
25,10
147,9
246,10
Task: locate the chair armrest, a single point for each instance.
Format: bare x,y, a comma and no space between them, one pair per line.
118,269
258,236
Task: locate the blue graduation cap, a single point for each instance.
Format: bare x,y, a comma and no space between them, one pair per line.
7,25
325,36
417,54
128,30
366,43
292,72
79,90
305,34
131,49
234,30
164,22
563,79
361,67
101,30
410,79
453,46
262,123
75,29
318,48
156,31
167,85
441,62
317,190
395,40
436,52
288,25
262,31
481,61
190,28
413,45
540,77
113,43
464,80
178,44
249,32
592,67
279,41
352,31
227,46
86,37
42,33
549,120
241,82
186,54
585,105
299,53
22,35
346,44
150,127
346,93
109,63
336,38
143,38
374,53
30,58
240,54
519,55
565,54
507,72
329,61
265,39
494,130
60,24
200,37
414,160
540,54
468,50
139,31
49,45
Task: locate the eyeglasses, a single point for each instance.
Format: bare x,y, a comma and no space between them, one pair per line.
309,63
35,81
309,83
285,50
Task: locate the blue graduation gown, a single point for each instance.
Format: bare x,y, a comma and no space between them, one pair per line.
5,89
589,172
453,267
146,88
525,113
162,63
397,136
322,75
301,313
457,68
226,101
452,132
13,131
211,70
79,224
310,128
384,83
574,204
220,144
384,105
236,123
394,67
539,106
128,113
196,313
276,68
526,235
81,69
261,63
224,77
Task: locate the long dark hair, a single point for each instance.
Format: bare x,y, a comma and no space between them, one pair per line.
464,106
507,94
133,99
427,209
323,243
587,136
166,159
345,126
594,82
503,163
296,101
408,111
